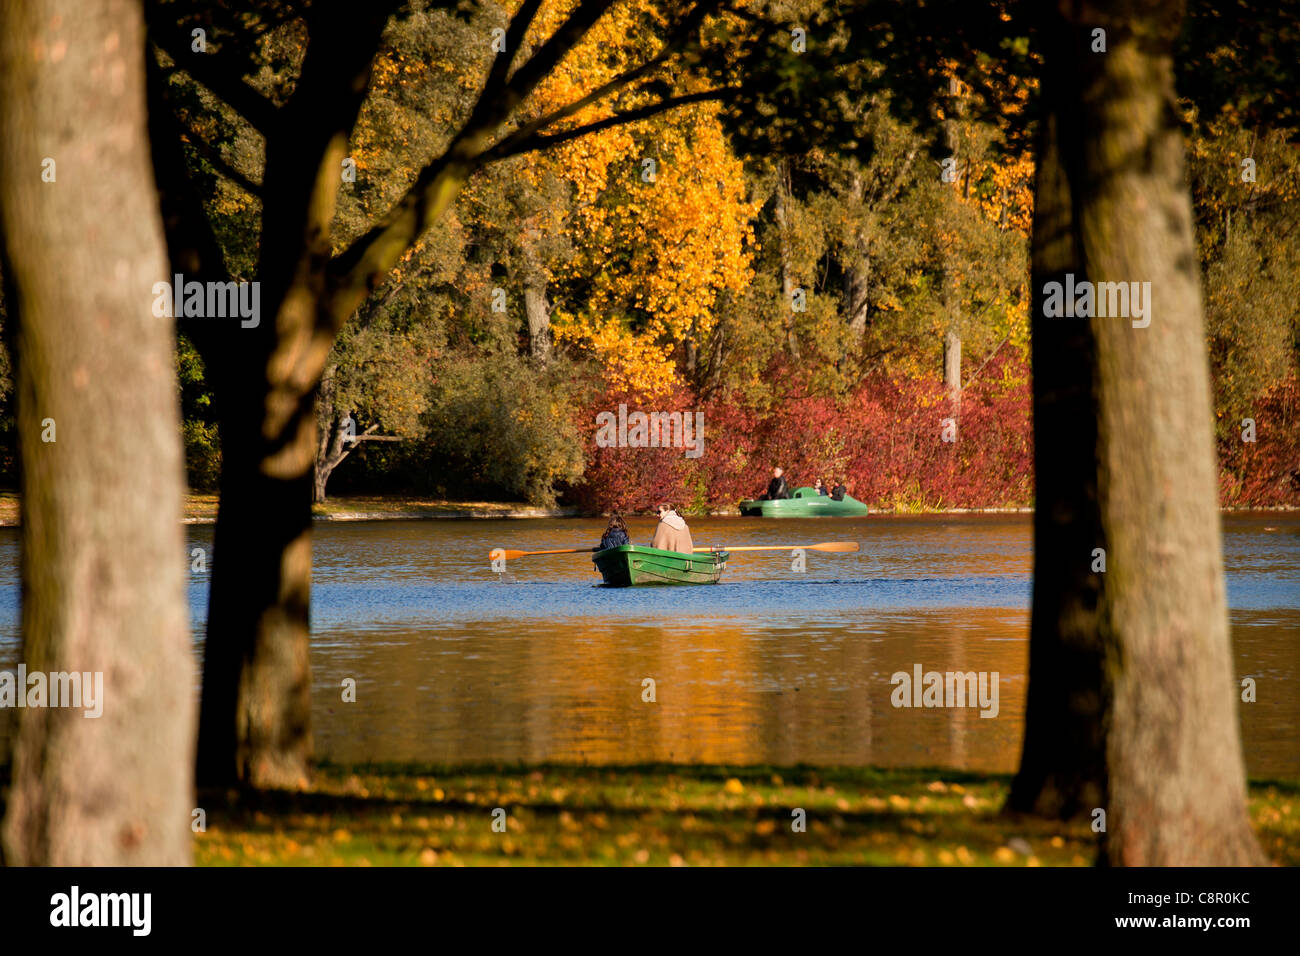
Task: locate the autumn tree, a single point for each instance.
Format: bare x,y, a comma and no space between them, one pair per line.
1246,194
1131,696
1130,693
255,715
376,379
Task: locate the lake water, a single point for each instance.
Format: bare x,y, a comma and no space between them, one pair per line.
454,664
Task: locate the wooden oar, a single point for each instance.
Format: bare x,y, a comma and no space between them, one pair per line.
510,555
833,546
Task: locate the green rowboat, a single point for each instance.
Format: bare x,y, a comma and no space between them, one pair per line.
806,503
631,565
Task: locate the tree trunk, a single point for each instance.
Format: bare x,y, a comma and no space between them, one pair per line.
322,477
103,549
255,715
335,446
952,363
857,277
1175,780
1062,765
952,375
951,296
1177,790
857,272
257,649
787,272
328,456
538,311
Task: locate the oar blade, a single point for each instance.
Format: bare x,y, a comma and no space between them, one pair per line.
835,547
510,554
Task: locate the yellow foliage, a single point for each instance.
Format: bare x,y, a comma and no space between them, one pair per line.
679,241
632,362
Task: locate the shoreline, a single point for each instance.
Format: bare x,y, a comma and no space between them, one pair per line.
202,509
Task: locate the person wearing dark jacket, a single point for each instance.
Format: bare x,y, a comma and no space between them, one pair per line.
839,491
615,535
821,488
777,487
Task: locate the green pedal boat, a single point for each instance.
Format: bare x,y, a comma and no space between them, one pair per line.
805,503
631,565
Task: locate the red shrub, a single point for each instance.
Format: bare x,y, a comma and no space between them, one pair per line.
1265,472
885,438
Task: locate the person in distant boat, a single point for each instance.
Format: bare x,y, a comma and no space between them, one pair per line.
615,535
672,533
821,487
839,491
777,487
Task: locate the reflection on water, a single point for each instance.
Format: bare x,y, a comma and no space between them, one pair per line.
454,665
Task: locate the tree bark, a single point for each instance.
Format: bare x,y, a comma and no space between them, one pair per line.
103,550
1175,779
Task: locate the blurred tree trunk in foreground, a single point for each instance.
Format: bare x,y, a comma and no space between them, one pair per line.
99,438
1139,677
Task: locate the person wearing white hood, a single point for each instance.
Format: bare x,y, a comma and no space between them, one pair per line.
672,533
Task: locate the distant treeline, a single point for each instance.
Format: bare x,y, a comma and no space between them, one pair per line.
826,313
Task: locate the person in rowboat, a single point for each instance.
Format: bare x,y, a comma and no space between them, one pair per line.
777,487
839,491
672,533
821,487
616,534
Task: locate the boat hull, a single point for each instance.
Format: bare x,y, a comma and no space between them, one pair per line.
805,503
634,566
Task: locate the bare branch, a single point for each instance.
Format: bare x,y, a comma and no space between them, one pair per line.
687,26
219,75
500,71
534,143
214,158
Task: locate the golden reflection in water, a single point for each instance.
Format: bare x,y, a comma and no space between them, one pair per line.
725,693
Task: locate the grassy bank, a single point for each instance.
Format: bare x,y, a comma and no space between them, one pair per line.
665,815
